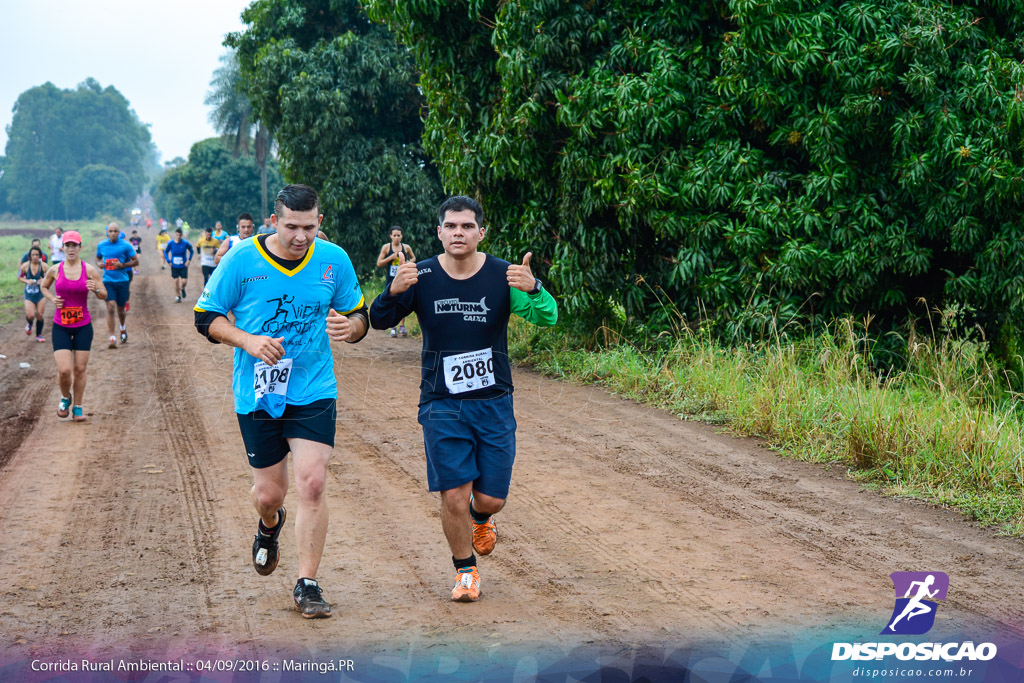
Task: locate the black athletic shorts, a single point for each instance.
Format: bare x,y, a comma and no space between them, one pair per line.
179,271
71,338
266,438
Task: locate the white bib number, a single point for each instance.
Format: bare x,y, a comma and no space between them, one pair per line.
177,260
206,260
272,379
469,371
393,270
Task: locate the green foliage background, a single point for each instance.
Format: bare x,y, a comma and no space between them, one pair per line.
340,96
213,185
741,160
95,189
54,133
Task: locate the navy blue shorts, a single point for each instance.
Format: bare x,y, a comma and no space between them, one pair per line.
266,438
71,338
179,271
469,441
118,292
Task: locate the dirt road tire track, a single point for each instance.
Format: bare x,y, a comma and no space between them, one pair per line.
624,525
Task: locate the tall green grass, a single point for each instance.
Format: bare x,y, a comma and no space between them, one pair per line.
943,429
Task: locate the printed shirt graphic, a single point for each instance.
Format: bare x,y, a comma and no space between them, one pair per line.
121,251
916,595
268,300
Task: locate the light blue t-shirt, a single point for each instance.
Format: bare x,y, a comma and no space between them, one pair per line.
267,299
120,251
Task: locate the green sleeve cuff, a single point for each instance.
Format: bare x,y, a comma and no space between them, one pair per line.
539,309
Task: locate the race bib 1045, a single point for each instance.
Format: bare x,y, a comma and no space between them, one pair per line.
469,371
272,379
69,315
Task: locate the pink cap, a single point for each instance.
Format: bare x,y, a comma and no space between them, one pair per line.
71,236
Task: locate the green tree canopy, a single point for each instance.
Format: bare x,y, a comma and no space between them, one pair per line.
213,185
740,159
340,95
54,133
96,188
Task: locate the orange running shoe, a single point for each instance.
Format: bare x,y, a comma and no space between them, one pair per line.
485,536
467,585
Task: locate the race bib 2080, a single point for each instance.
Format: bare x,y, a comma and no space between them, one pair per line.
469,371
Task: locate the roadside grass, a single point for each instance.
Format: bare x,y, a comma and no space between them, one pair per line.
13,247
943,430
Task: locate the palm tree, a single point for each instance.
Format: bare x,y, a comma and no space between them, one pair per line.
233,117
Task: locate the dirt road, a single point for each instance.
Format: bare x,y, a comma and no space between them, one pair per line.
624,526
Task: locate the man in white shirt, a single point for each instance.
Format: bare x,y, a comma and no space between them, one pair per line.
56,246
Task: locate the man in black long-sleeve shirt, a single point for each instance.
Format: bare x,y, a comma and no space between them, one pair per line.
463,299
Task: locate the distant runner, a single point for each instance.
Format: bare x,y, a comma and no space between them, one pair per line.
72,280
116,257
463,299
136,243
161,244
31,273
207,247
179,254
57,245
35,243
245,230
267,228
388,258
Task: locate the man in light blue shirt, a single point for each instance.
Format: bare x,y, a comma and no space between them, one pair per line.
290,294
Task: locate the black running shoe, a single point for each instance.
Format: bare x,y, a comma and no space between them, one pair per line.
310,601
264,548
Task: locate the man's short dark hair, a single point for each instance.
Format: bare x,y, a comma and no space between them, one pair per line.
461,203
297,198
178,231
244,217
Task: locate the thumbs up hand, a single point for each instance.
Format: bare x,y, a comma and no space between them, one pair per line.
405,277
521,277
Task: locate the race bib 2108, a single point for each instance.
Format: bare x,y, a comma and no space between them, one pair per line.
272,379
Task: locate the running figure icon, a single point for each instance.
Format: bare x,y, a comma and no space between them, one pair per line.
915,607
917,595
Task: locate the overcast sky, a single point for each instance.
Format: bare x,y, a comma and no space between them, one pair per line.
160,54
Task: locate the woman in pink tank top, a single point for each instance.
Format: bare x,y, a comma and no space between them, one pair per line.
72,281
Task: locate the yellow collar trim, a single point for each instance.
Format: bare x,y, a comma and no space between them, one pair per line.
289,273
